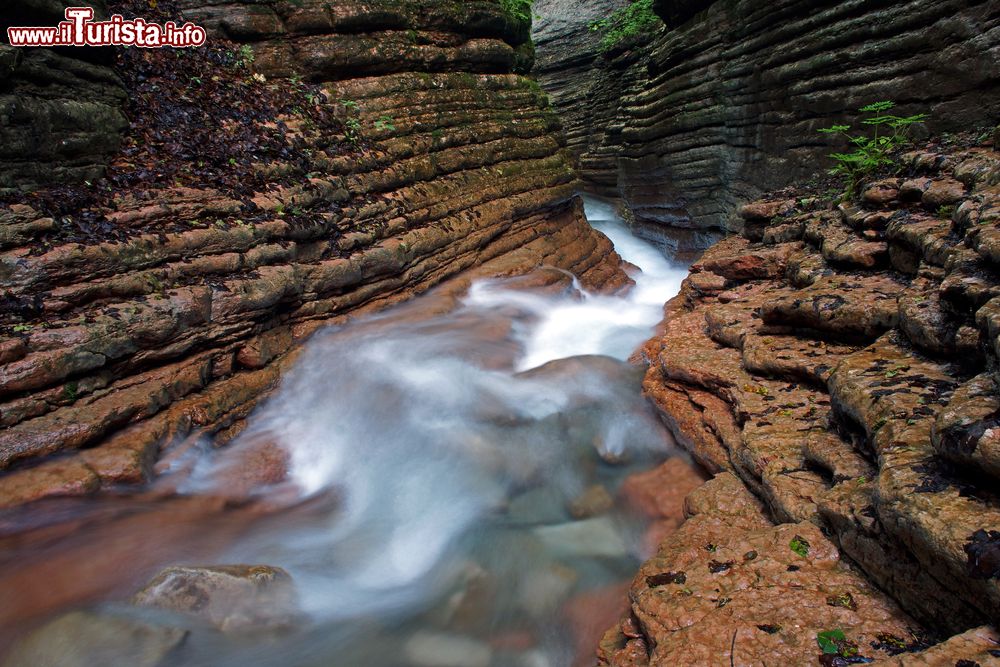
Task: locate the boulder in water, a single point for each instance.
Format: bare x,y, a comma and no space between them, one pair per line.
593,501
233,598
597,537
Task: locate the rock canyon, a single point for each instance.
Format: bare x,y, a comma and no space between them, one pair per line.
498,332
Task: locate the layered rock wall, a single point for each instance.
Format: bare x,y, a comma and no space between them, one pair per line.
724,101
181,316
61,114
566,48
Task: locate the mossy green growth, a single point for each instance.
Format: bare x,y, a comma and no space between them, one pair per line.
518,10
799,545
634,19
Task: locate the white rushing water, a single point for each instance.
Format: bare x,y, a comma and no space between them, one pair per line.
454,444
594,324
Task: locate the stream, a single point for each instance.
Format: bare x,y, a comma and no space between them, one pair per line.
452,496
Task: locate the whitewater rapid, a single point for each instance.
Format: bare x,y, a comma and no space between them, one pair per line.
453,444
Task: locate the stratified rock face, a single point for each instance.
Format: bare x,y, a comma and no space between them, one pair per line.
60,110
724,102
841,365
566,50
180,320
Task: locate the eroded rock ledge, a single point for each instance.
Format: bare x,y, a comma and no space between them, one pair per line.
837,369
112,352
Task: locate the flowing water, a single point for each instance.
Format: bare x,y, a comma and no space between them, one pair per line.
437,461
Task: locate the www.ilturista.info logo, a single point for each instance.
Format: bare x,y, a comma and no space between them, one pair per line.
79,29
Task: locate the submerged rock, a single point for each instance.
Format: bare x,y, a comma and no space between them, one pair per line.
589,613
544,504
599,537
659,495
87,639
541,590
426,649
593,501
233,598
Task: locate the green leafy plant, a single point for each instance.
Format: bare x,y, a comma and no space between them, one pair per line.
835,643
517,10
889,132
634,19
352,130
71,390
245,56
828,641
799,545
385,123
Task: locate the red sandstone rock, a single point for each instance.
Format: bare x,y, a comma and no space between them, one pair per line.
789,380
53,478
659,493
766,210
154,325
729,573
262,349
881,193
943,192
589,614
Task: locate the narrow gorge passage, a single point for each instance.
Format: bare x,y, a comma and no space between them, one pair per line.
454,494
312,353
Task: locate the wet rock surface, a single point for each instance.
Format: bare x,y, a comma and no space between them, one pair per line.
729,584
854,443
232,598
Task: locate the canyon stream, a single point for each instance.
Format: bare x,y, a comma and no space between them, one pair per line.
453,496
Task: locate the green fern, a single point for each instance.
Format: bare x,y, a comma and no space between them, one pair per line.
517,10
871,153
635,19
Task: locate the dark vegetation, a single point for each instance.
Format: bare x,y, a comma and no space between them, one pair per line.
633,20
198,118
518,10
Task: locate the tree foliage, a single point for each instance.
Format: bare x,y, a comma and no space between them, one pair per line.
634,19
518,10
